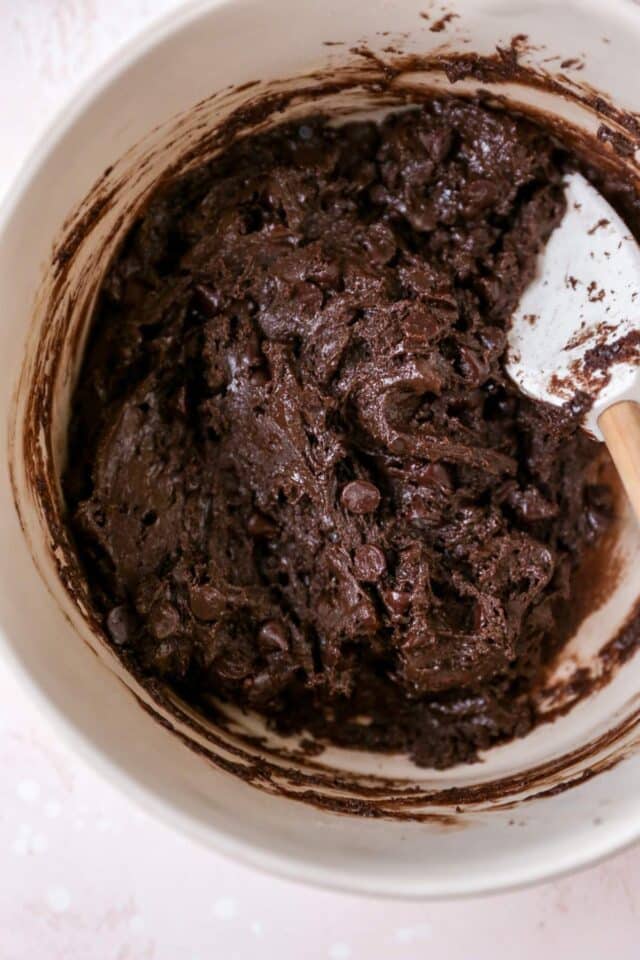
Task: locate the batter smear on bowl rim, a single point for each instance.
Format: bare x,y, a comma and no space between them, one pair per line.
299,477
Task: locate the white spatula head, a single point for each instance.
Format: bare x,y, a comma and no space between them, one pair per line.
576,331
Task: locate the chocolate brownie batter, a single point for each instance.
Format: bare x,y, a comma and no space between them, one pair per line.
299,478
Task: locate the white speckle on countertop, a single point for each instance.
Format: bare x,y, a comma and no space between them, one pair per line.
39,843
58,899
28,841
22,840
339,951
29,791
136,923
419,931
225,908
52,809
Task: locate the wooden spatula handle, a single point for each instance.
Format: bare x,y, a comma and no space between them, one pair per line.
620,425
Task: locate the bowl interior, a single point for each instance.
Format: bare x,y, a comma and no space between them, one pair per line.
361,821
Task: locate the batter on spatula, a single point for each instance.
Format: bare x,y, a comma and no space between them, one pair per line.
299,476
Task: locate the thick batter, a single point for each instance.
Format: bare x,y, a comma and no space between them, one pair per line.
299,478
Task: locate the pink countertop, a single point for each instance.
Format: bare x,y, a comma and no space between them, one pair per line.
85,873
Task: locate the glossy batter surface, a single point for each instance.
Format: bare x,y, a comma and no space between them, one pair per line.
299,477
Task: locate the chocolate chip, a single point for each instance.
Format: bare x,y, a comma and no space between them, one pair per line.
434,475
121,624
530,505
260,526
360,497
207,299
380,243
272,637
474,367
234,665
164,620
397,601
369,562
493,338
428,379
206,602
259,377
262,687
421,510
164,657
250,354
399,446
478,195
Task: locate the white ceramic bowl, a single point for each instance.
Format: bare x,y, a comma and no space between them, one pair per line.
532,808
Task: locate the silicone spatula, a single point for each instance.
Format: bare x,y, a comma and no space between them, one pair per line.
575,335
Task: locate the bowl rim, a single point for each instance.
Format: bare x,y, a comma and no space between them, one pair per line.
507,875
